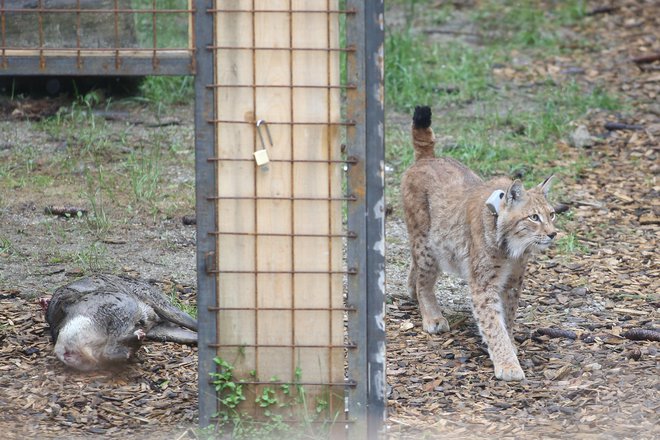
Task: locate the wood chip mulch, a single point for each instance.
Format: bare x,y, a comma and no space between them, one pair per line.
154,397
588,321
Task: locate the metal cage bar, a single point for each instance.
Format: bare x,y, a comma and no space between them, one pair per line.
362,121
77,59
366,401
374,25
205,188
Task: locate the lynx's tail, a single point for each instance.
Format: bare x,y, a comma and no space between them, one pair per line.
422,133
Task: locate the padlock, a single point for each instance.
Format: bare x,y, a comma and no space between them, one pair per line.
261,156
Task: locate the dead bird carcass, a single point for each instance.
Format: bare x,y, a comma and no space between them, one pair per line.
100,321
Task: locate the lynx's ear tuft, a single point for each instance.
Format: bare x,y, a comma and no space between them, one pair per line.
515,192
494,201
545,186
422,117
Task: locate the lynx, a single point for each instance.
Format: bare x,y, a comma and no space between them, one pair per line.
483,232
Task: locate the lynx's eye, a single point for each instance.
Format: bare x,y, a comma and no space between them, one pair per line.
553,216
535,218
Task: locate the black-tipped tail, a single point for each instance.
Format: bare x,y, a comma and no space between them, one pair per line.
422,116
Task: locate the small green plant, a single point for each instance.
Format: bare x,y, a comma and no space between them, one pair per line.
266,398
278,404
6,247
94,258
570,244
144,170
186,307
417,72
167,90
97,219
230,393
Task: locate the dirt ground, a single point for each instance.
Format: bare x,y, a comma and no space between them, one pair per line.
154,397
597,384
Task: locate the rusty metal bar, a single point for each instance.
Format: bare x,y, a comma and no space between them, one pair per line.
227,121
257,346
284,86
329,150
255,186
292,189
288,11
42,61
282,234
375,219
273,272
116,16
349,198
284,309
311,421
154,60
348,161
205,187
290,49
279,382
79,61
2,32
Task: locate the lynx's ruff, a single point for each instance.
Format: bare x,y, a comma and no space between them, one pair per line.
483,232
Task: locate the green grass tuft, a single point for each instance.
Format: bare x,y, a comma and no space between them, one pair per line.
420,73
168,90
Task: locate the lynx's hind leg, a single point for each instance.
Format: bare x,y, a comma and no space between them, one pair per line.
427,271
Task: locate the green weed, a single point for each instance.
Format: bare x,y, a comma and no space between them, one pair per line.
189,308
144,170
528,25
570,244
421,73
94,258
167,90
6,246
98,220
279,403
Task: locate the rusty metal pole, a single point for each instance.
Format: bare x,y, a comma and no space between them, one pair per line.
374,26
205,187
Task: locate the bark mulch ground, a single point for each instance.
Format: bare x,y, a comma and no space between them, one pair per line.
595,374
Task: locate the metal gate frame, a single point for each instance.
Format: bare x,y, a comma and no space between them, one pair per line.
365,254
365,143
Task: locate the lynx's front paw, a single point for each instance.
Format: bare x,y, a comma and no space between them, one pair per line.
509,371
437,324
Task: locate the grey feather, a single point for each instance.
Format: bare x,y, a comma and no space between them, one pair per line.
99,321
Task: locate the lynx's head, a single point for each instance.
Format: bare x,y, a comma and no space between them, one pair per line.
525,219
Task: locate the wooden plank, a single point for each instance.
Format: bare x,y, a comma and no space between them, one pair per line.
318,180
288,253
274,216
235,140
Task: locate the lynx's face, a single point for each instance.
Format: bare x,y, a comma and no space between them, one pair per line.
526,220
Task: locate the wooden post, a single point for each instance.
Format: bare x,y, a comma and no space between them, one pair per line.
290,254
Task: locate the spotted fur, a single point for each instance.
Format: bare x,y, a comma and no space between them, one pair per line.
481,231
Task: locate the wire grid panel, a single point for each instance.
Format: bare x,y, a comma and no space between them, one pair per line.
281,231
94,37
